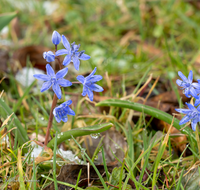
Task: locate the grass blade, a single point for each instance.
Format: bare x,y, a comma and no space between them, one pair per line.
6,18
22,136
150,111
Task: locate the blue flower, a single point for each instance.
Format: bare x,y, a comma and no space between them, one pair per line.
49,56
72,53
89,84
54,80
62,111
192,114
56,38
187,85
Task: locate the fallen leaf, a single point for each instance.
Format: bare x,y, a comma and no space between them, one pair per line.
69,174
7,119
35,55
113,140
190,180
40,138
4,57
169,97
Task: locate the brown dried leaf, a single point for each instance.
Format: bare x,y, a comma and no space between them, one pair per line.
169,97
150,49
7,119
15,29
179,143
4,57
130,35
40,138
47,150
35,55
113,139
69,174
195,4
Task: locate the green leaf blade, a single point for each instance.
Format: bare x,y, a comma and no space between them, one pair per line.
80,132
150,111
6,18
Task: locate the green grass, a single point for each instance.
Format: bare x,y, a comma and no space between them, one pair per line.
127,41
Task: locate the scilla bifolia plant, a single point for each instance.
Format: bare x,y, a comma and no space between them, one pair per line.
56,81
190,89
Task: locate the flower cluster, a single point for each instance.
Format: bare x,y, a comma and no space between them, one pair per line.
190,88
56,81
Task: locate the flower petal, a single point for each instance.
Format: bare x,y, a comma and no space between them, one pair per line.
50,71
64,118
190,77
185,111
42,77
183,77
70,111
45,86
96,88
197,91
194,124
44,55
67,60
196,85
65,104
56,115
63,115
198,108
66,43
197,102
186,92
57,90
80,78
184,120
61,73
64,82
91,74
84,91
76,62
95,78
193,92
181,83
62,52
84,57
69,102
90,94
75,47
191,107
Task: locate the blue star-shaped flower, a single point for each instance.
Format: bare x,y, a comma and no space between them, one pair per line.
72,53
187,85
54,80
62,111
192,114
89,84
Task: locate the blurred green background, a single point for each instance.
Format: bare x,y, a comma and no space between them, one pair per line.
121,36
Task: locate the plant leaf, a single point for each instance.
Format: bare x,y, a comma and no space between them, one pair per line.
80,132
22,136
150,111
115,177
6,18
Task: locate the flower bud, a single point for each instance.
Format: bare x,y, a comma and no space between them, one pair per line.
49,56
56,38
